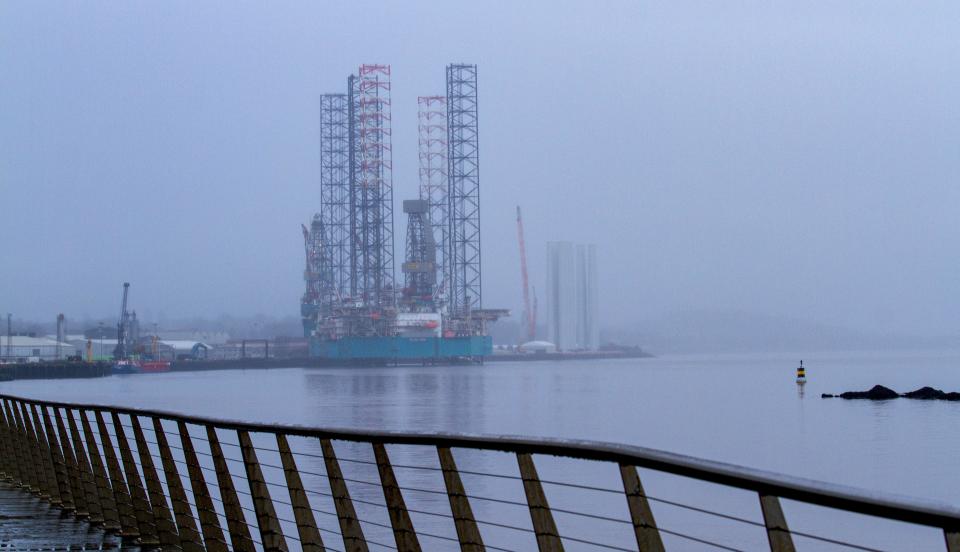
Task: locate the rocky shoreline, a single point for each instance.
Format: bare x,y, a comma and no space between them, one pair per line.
881,393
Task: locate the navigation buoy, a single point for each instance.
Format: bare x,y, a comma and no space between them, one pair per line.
801,374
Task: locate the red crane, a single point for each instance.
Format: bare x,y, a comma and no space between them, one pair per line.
530,314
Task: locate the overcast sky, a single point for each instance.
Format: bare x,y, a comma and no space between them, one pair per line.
783,158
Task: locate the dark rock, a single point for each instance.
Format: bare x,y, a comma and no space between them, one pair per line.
881,393
876,393
926,393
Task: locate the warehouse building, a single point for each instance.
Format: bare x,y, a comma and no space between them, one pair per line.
22,348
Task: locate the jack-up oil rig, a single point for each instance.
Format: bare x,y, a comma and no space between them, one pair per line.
352,308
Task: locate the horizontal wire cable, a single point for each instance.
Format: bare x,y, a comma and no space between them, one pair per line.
500,500
701,541
375,543
832,541
574,539
597,544
368,462
485,474
251,526
321,493
592,516
441,537
216,513
220,500
566,537
377,504
504,526
338,458
317,511
450,539
704,511
132,441
578,486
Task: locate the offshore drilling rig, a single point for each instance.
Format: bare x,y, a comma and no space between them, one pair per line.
352,308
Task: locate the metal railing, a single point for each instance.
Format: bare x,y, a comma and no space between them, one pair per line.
162,480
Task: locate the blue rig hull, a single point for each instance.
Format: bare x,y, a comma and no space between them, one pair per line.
429,349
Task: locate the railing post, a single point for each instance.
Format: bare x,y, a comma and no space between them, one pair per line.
548,538
467,531
186,525
952,536
48,483
7,463
271,534
13,431
353,539
236,522
310,540
777,532
73,472
403,531
108,498
94,500
163,520
46,455
56,459
31,453
11,449
129,528
39,453
213,538
644,526
141,506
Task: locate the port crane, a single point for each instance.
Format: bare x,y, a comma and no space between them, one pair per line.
529,314
120,352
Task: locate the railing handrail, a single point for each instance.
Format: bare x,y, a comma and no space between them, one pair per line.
809,491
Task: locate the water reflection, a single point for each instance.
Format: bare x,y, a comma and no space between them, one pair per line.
753,415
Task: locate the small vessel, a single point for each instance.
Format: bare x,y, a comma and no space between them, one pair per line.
126,367
130,366
801,374
150,366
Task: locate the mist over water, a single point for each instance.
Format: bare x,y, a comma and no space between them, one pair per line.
756,178
792,161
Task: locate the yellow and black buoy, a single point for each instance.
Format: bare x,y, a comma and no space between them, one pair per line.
801,374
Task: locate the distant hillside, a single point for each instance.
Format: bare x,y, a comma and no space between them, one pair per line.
717,331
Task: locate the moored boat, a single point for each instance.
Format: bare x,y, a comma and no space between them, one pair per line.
149,366
126,367
140,366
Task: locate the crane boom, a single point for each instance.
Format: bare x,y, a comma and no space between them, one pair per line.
120,352
530,316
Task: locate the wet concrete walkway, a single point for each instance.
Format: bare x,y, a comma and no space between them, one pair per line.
29,523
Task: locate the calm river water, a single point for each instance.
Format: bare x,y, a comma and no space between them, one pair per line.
742,409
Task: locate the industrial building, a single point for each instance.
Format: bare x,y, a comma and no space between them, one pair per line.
19,348
208,337
572,296
98,348
353,307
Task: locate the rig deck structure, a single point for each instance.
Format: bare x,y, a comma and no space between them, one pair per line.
352,308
